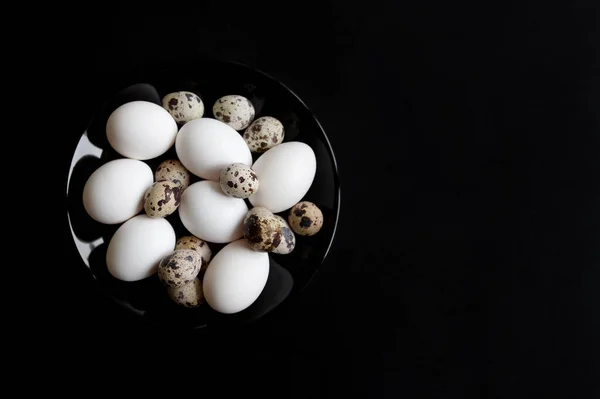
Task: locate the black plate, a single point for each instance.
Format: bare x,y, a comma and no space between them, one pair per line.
210,79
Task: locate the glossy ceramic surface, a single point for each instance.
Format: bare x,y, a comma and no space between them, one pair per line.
288,274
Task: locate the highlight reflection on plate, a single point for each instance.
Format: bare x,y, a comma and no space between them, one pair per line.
288,274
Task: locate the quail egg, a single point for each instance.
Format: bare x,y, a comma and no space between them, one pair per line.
198,245
183,106
305,218
288,239
179,268
264,133
162,198
189,295
262,230
238,180
235,111
172,169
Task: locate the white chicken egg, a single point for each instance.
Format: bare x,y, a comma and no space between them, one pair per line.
141,130
205,146
235,277
115,191
210,214
137,246
286,173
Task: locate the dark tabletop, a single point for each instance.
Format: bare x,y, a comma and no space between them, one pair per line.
467,262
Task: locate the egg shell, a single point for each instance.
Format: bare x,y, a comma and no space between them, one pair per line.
264,133
137,246
305,218
262,230
179,268
210,214
197,244
183,106
172,169
141,130
238,180
286,173
115,191
288,238
205,146
188,295
235,277
236,111
162,198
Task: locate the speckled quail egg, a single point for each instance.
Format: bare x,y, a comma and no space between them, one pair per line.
264,133
189,295
305,218
288,239
238,180
198,245
262,230
183,106
162,198
179,268
172,169
235,111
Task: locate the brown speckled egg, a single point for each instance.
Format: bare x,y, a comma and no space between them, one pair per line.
238,180
179,268
262,230
198,245
236,111
305,218
162,198
264,133
174,170
189,295
288,239
183,106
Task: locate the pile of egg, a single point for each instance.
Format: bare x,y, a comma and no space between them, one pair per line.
220,195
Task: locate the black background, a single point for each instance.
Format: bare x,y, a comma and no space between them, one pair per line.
466,263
